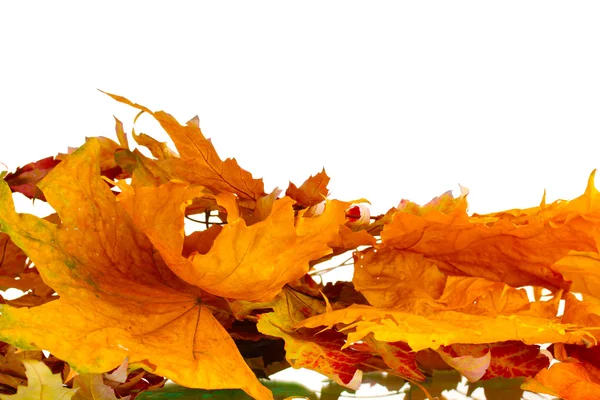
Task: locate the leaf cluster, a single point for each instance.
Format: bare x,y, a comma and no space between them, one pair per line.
116,274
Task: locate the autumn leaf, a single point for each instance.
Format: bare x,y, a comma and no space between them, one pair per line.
347,239
515,359
116,298
583,313
583,269
92,387
199,162
397,279
159,150
511,359
321,352
517,248
25,178
312,191
41,384
12,370
445,327
471,361
121,135
569,381
244,262
399,357
484,297
17,272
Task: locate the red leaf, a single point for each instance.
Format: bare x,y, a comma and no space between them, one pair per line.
515,359
25,178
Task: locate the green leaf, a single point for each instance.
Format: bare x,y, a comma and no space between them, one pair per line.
280,389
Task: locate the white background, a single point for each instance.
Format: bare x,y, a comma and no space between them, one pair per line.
395,99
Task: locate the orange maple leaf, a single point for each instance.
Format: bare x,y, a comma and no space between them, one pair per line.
312,191
244,262
199,162
517,247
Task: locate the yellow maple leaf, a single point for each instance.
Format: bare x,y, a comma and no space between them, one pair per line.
445,327
117,299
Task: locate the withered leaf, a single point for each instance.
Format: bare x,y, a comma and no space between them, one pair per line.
445,327
312,191
517,248
116,300
41,384
199,162
25,178
244,262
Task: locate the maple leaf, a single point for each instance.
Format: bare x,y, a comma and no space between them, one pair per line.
199,162
347,239
583,269
116,298
518,248
399,357
160,150
12,370
390,278
567,380
41,384
320,352
511,359
312,191
244,262
582,313
445,327
484,297
17,272
92,387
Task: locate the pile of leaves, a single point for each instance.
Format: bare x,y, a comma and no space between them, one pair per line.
123,298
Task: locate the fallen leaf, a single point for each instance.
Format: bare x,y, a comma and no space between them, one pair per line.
445,327
244,262
116,299
347,239
471,361
569,381
41,384
320,352
401,280
12,370
514,359
25,178
399,357
518,248
199,162
312,191
17,272
92,387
